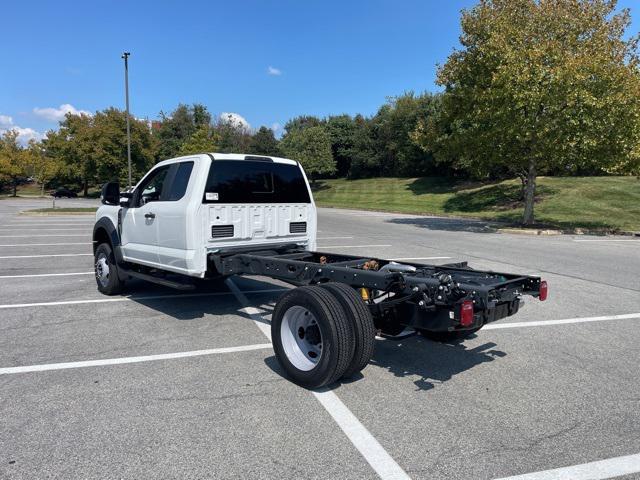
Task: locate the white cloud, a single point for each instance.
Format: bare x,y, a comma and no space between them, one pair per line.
235,119
276,127
57,114
273,71
5,121
24,134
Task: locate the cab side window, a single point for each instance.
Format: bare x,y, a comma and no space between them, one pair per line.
180,181
151,188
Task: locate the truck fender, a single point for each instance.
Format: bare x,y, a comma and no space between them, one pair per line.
105,230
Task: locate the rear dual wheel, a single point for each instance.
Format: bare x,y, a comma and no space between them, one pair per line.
320,334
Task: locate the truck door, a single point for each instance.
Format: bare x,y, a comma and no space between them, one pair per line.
173,221
139,223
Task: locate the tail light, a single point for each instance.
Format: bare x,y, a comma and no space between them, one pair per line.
466,313
544,290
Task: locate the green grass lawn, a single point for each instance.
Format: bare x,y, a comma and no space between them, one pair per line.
602,203
54,211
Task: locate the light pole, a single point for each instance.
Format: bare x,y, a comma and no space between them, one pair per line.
125,56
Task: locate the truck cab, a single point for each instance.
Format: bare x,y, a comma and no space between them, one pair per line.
186,208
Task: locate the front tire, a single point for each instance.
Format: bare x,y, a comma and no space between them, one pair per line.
106,271
312,336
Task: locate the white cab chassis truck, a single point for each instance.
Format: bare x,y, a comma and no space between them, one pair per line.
209,216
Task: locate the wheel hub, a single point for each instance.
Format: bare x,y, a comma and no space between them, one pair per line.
301,338
102,270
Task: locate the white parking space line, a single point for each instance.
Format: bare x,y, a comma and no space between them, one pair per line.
40,229
253,312
77,224
51,255
545,323
123,360
133,299
333,238
629,240
51,235
352,246
47,275
600,470
374,453
420,258
43,244
382,463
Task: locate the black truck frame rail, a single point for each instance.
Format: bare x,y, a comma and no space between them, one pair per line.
399,295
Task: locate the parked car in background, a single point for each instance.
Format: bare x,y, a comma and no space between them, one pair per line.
63,193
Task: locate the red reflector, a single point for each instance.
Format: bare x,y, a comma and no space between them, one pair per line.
466,313
544,290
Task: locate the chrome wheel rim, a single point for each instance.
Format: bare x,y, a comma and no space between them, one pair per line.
102,270
301,338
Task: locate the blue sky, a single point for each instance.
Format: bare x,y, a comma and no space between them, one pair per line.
265,60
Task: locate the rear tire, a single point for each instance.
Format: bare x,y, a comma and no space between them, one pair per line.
363,326
448,337
106,271
312,336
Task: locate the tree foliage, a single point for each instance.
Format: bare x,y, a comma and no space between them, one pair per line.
311,146
539,85
264,142
234,137
41,166
176,128
203,140
93,149
13,159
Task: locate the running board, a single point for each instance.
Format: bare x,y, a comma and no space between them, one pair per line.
159,280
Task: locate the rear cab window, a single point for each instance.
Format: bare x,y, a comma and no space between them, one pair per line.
249,181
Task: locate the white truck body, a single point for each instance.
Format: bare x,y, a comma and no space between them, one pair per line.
176,218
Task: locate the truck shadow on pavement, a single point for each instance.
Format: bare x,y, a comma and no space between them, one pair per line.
207,299
446,224
434,363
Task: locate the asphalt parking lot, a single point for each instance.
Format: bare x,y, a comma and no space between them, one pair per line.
163,384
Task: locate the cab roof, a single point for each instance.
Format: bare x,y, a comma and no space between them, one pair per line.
243,156
231,156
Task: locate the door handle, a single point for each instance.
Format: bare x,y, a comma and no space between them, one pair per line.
149,215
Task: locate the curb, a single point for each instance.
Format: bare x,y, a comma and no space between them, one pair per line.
528,231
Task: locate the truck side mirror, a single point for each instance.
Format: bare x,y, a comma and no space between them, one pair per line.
111,193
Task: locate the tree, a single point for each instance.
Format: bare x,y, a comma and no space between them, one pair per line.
177,127
300,122
40,165
12,159
539,84
365,158
73,146
394,125
109,134
203,140
234,136
264,142
341,130
311,146
93,149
